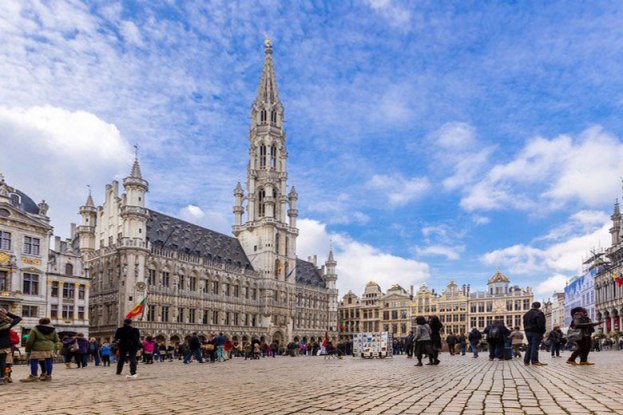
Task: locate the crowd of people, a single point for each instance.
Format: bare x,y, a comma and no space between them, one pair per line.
43,344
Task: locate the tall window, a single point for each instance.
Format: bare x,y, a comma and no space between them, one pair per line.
191,315
31,245
273,117
80,312
69,269
236,291
68,290
263,116
277,240
192,284
151,313
180,315
4,281
262,156
165,278
5,240
227,290
54,311
227,321
68,312
273,156
82,291
215,317
180,284
151,277
215,287
206,314
260,198
31,284
165,313
236,319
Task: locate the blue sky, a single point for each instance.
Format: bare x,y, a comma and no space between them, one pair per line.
430,141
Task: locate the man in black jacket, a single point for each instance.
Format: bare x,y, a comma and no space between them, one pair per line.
534,326
194,344
128,341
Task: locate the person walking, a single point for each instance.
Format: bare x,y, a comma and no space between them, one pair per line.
435,337
219,342
149,347
42,344
516,339
409,345
555,341
105,352
534,326
94,350
580,332
452,340
474,338
194,344
7,321
82,355
128,340
422,339
462,343
496,336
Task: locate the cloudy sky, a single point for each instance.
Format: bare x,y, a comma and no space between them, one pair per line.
430,141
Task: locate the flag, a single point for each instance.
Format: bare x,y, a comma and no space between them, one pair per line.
341,326
138,309
618,279
326,339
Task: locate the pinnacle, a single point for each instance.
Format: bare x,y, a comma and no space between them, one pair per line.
136,170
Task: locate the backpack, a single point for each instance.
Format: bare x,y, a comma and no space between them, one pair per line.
13,337
495,333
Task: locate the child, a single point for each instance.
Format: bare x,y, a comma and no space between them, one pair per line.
105,353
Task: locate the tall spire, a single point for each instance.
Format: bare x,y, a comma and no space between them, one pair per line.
267,92
136,170
89,202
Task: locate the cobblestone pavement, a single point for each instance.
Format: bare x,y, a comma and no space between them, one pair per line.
305,385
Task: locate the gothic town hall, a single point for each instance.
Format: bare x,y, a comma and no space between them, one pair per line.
195,279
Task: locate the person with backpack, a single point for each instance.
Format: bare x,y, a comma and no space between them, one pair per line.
128,340
496,336
452,340
580,332
534,326
516,339
42,344
474,338
194,345
422,339
7,342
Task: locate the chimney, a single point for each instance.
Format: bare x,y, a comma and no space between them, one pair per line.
411,289
57,243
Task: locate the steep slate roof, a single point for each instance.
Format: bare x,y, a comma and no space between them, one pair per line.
176,234
307,273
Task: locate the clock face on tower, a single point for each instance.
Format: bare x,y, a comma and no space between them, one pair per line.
140,286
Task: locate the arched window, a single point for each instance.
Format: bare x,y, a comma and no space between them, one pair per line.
260,198
69,270
262,156
263,116
273,117
277,237
273,156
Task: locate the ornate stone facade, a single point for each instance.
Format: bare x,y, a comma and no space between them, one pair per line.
458,308
195,279
24,238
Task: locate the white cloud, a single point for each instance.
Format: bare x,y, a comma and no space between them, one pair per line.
549,173
398,190
450,252
480,220
358,262
395,14
563,255
555,283
51,153
192,212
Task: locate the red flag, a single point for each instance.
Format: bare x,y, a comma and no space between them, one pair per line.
326,339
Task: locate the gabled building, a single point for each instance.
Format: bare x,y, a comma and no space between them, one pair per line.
25,232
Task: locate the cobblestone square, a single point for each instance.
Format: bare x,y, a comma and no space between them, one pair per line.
306,385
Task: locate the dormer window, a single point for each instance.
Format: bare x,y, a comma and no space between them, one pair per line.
16,199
